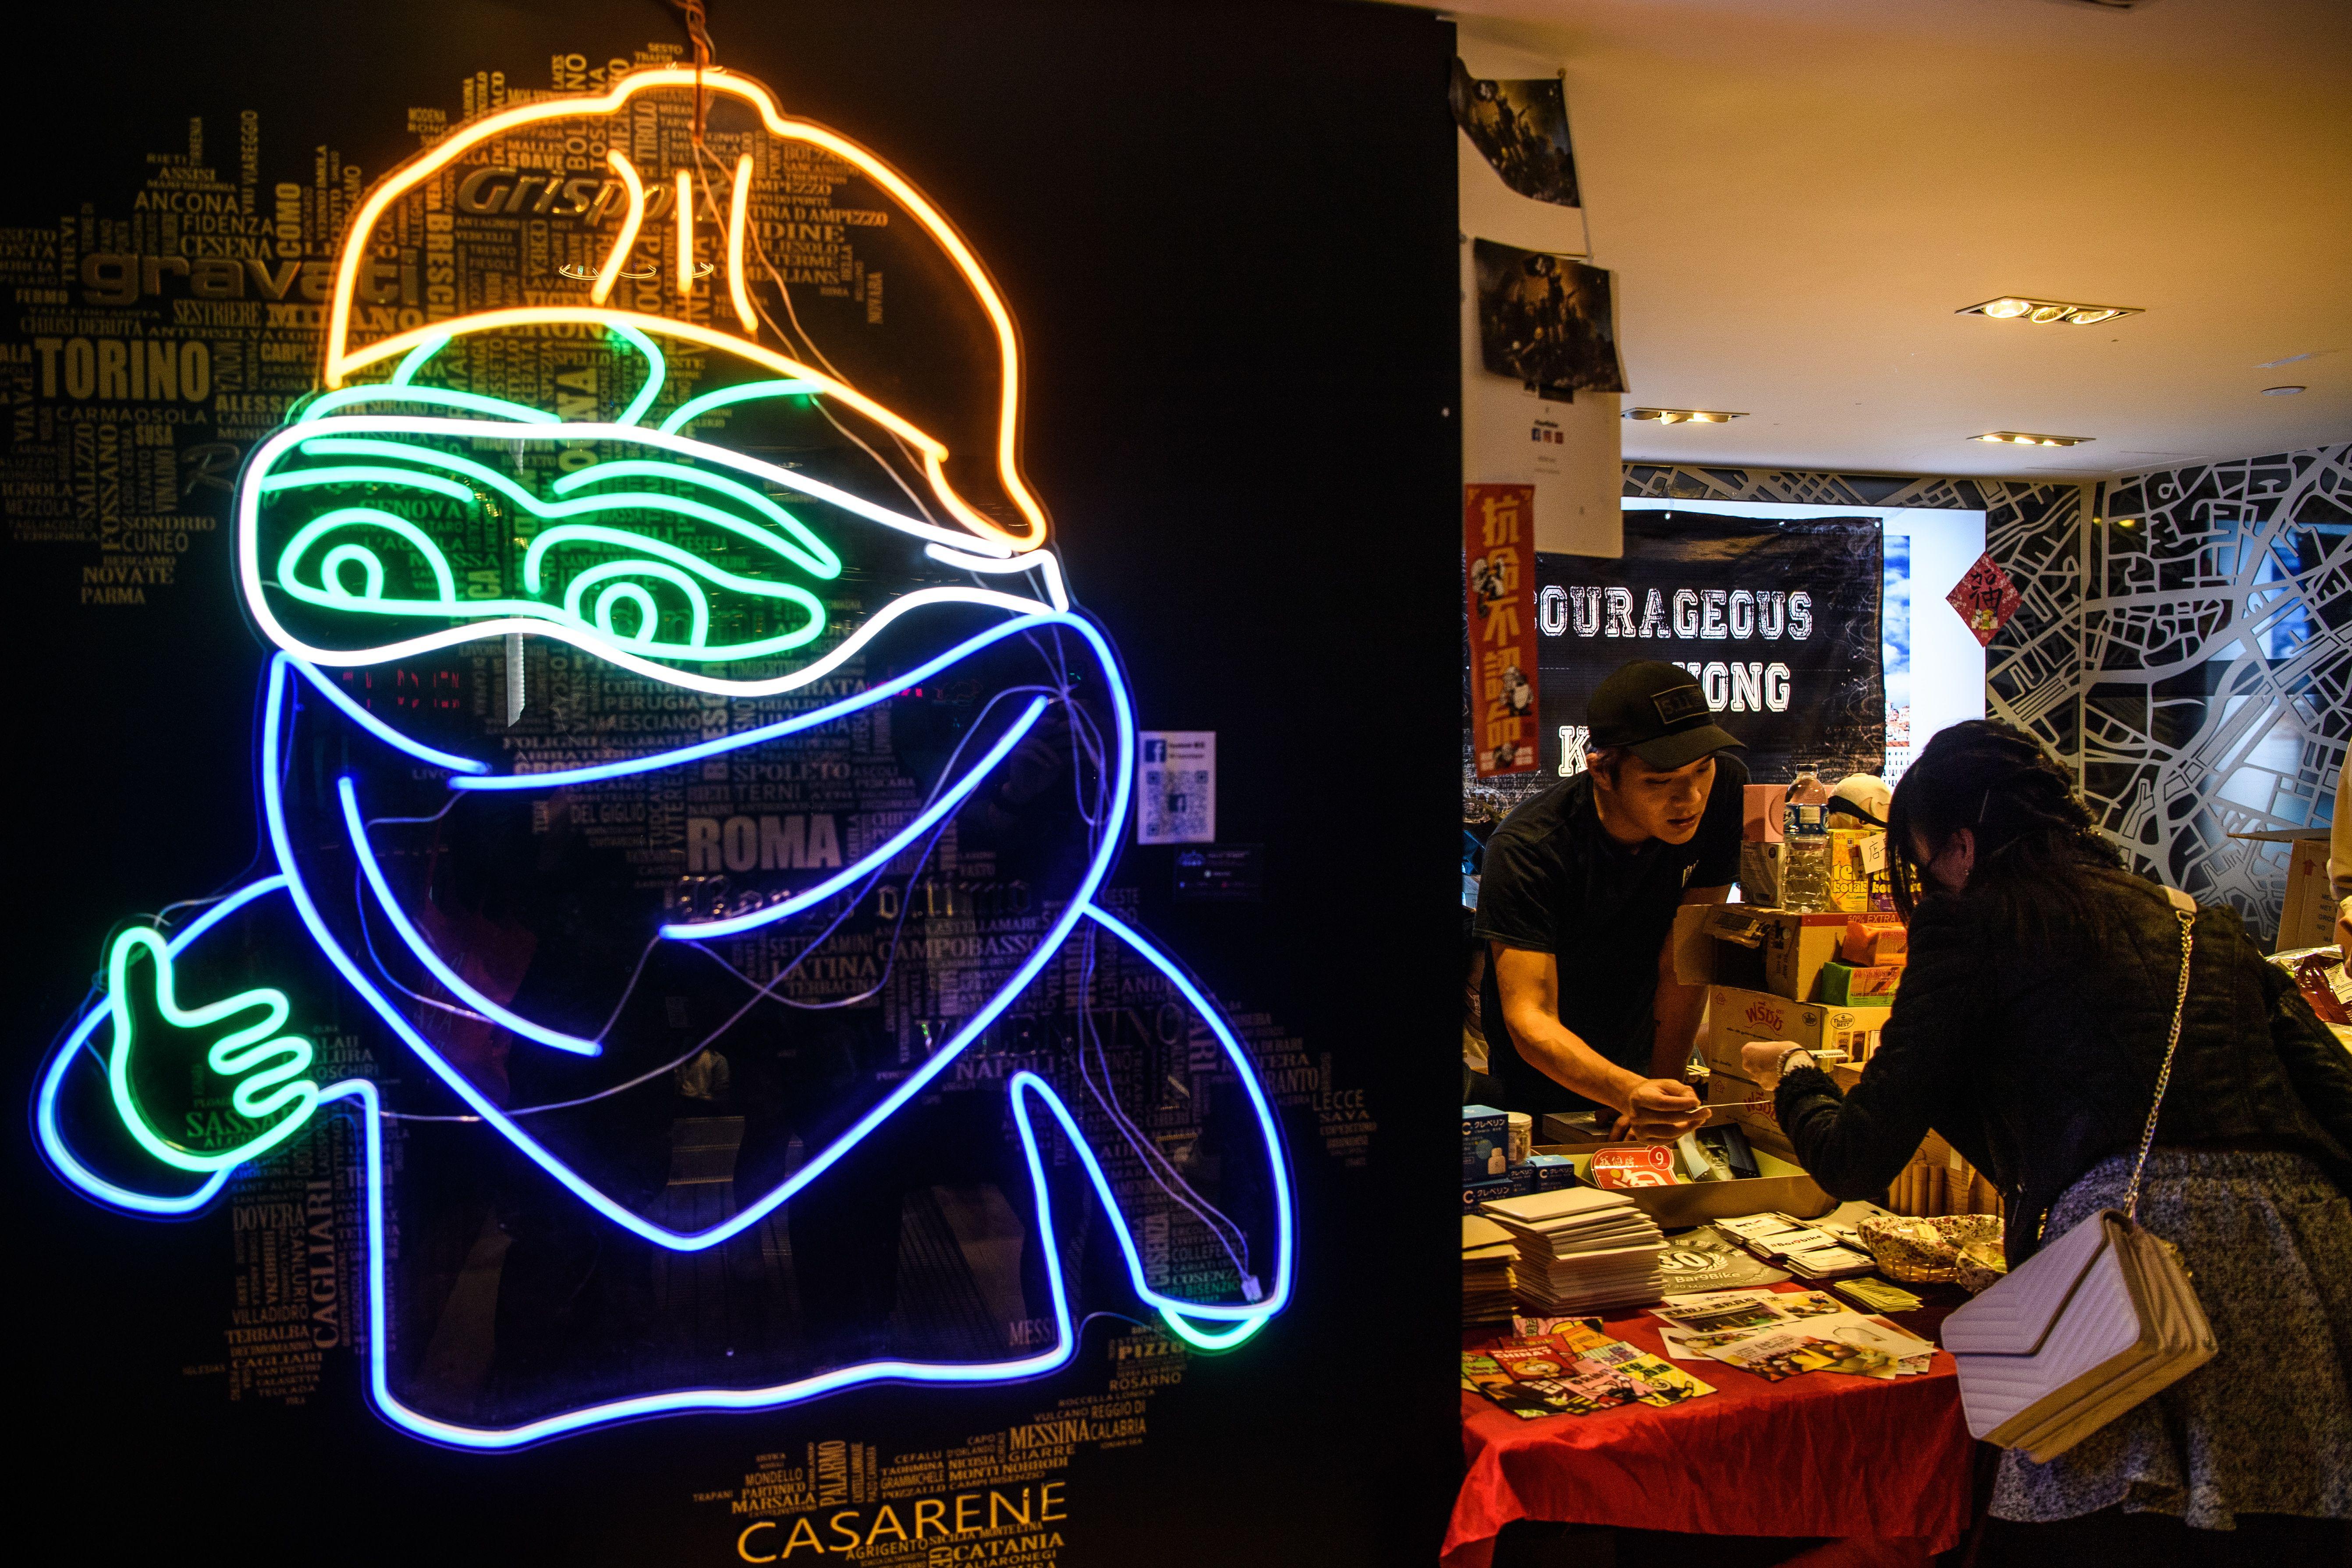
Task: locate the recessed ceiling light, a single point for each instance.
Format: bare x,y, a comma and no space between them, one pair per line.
2281,391
2011,307
2028,438
1685,415
2291,359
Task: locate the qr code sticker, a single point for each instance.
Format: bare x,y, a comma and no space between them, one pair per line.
1176,784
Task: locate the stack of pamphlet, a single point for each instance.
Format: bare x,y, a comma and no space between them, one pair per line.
1581,1250
1808,1252
1486,1254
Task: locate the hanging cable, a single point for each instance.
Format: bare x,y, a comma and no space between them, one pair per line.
698,28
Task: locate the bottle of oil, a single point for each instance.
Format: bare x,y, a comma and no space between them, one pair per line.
1805,845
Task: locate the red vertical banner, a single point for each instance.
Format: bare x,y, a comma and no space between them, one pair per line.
1498,547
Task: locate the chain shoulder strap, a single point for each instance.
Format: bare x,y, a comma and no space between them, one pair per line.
2185,911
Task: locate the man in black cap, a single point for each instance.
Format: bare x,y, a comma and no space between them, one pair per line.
1577,902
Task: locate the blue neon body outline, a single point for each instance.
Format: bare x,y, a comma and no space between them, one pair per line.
1246,1317
364,850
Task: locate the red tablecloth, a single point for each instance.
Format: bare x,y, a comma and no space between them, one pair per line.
1886,1464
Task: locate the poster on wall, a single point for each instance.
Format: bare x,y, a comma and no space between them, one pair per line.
1499,556
1551,321
687,983
1779,620
1520,128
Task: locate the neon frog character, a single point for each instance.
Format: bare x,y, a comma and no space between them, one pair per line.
689,789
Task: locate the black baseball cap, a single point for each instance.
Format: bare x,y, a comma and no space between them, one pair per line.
1657,709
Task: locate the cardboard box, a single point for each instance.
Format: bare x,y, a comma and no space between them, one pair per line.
1859,986
1780,1185
1787,956
1795,947
1485,1145
1871,941
1735,1017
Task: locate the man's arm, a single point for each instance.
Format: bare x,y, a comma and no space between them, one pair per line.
1530,983
1679,1007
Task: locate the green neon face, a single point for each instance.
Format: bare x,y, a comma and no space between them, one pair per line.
266,1065
375,521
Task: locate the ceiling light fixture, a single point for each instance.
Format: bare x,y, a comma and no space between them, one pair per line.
1684,415
2281,391
2028,438
2042,313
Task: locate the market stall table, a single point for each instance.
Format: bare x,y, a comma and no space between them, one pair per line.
1883,1464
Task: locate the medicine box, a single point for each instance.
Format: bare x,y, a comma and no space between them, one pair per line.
1550,1172
1485,1145
1476,1193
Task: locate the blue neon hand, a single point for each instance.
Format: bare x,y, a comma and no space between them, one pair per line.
147,1016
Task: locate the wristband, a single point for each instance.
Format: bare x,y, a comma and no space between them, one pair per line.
1780,1068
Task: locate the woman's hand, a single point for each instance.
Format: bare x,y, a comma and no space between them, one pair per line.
1761,1058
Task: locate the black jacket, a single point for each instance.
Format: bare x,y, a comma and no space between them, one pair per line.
2037,1068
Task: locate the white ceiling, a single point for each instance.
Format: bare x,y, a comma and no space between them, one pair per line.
1797,195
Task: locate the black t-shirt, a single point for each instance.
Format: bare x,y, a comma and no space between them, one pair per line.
1555,882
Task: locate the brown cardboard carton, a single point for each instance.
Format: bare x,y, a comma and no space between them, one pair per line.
1795,947
1783,949
1735,1017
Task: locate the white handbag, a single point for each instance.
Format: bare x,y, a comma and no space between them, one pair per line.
2092,1324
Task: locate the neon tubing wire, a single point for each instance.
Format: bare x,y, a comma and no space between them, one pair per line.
45,1108
871,863
1065,1340
274,818
832,712
606,276
342,358
1245,1318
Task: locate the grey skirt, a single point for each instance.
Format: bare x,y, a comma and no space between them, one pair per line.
2267,1425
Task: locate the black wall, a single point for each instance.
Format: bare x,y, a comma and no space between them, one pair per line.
1228,233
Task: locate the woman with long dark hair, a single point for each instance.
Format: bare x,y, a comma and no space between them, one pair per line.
2029,1032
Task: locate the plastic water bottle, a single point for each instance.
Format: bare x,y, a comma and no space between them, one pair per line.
1805,845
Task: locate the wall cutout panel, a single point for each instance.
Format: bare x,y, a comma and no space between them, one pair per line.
2219,697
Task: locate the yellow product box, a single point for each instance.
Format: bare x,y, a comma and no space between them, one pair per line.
1857,863
1736,1018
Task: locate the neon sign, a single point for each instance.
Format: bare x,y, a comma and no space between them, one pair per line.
418,518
